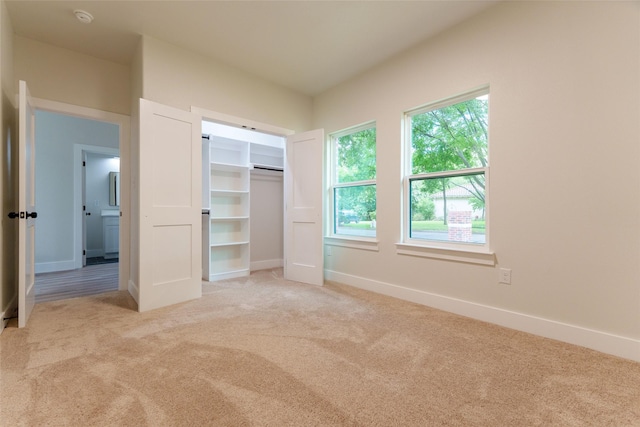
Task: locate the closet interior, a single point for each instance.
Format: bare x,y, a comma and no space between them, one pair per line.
242,201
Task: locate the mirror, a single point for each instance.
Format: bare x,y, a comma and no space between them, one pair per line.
114,188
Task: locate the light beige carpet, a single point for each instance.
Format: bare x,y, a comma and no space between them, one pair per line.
266,352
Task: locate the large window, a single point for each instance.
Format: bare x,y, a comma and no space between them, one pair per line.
447,171
353,182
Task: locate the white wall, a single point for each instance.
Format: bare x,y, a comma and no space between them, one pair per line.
8,178
182,79
97,198
565,183
56,135
65,76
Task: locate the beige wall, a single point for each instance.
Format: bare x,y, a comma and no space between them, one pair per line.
8,158
564,151
182,79
65,76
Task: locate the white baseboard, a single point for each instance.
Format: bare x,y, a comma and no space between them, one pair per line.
264,265
134,291
48,267
9,310
625,347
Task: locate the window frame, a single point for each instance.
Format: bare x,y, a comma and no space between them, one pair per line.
457,251
346,240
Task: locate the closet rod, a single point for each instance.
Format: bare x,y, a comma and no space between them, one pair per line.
268,168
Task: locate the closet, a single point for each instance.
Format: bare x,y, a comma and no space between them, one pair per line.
242,201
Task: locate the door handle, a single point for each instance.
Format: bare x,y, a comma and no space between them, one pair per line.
28,215
88,213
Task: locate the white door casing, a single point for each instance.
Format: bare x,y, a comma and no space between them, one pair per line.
303,248
26,204
170,252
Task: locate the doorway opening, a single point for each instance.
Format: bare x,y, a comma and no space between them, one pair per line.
75,159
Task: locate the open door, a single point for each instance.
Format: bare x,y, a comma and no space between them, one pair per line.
170,251
84,209
303,246
26,214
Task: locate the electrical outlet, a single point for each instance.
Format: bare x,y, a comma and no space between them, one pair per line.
329,251
505,276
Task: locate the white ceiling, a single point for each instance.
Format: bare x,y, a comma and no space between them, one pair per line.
307,46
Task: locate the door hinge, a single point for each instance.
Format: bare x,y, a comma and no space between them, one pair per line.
84,208
84,163
84,252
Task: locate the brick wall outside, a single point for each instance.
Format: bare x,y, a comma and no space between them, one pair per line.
459,226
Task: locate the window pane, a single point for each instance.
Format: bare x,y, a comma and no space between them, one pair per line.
448,209
450,138
356,156
355,210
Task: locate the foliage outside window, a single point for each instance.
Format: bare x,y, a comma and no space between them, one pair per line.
353,182
446,183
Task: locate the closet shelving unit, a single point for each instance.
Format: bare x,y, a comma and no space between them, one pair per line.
230,155
226,197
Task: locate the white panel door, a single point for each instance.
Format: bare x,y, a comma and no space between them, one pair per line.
303,251
26,205
170,206
84,208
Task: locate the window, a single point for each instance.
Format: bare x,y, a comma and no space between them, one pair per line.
447,170
353,182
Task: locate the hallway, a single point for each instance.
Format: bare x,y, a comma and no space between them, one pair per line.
90,280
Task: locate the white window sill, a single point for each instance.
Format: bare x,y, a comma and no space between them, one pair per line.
367,244
471,255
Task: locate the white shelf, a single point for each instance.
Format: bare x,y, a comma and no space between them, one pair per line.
229,179
227,167
229,218
229,151
232,274
219,245
229,260
226,195
227,192
265,155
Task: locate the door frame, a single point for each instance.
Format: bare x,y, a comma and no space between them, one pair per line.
79,192
124,124
227,119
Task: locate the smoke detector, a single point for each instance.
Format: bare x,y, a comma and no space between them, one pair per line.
83,16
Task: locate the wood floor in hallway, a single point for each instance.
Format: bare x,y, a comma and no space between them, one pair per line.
90,280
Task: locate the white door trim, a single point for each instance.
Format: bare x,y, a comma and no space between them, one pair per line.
241,122
124,124
78,214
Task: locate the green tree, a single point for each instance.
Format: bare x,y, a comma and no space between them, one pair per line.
451,138
356,161
422,206
356,156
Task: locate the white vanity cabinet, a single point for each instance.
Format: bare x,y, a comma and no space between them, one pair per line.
111,233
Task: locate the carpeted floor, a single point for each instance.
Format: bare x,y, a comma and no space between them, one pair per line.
262,351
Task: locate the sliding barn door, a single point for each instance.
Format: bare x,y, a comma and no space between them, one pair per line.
170,206
303,252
